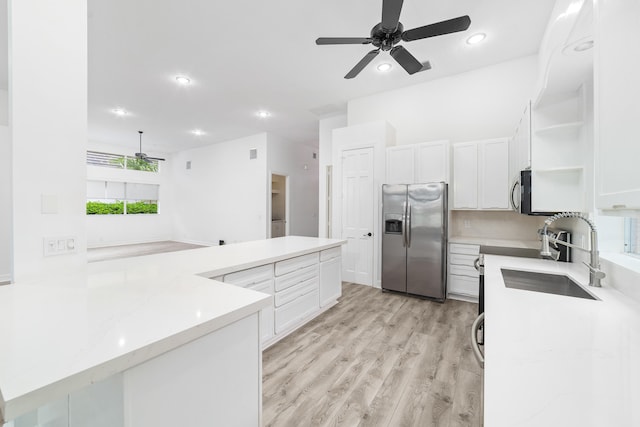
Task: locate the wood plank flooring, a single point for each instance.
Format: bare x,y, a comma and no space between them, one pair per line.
376,359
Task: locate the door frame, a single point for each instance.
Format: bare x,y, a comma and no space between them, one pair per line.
376,135
287,201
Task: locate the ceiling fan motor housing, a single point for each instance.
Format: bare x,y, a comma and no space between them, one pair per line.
384,39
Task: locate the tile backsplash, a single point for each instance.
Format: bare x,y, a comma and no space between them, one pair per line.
495,224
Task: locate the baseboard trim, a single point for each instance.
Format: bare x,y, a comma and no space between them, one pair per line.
5,279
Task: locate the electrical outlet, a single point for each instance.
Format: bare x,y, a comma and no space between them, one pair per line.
467,223
59,245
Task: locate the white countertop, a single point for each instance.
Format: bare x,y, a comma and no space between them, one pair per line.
487,241
553,360
64,333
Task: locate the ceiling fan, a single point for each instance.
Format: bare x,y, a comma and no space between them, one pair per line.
143,156
386,34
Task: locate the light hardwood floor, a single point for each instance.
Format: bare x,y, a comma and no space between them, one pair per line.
376,359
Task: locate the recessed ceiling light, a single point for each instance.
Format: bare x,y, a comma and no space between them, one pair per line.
583,46
120,112
198,132
183,80
385,66
476,38
263,114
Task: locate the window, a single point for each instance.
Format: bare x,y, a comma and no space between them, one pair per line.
632,236
118,161
121,198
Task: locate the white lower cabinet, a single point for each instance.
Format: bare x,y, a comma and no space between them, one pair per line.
258,279
330,276
463,277
297,290
300,286
266,314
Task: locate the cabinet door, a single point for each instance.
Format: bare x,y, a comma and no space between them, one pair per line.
400,165
465,175
330,281
617,90
266,314
494,174
432,162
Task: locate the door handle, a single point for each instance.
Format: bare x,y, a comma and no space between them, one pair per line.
477,324
514,206
367,235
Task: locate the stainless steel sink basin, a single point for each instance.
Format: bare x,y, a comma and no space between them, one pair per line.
544,282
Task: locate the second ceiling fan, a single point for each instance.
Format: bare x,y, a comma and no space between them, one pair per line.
388,33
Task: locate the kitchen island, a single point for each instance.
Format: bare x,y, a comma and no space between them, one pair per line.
553,360
144,341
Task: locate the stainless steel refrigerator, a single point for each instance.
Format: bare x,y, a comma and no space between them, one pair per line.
414,239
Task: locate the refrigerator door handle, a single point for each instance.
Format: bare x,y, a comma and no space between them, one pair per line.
404,222
408,225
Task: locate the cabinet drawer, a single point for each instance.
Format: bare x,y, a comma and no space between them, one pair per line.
462,259
295,277
460,248
463,285
296,291
293,264
288,315
250,276
327,254
463,270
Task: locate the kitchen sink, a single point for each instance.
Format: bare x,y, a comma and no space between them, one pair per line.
544,282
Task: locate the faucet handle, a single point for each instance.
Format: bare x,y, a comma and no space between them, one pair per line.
598,274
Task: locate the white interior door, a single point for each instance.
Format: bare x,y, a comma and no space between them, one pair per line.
357,215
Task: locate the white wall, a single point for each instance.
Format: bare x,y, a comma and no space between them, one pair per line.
326,128
296,160
106,230
480,104
5,189
5,203
48,131
224,194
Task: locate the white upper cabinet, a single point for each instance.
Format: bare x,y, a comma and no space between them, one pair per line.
400,164
562,111
481,175
617,91
494,174
432,162
418,163
465,175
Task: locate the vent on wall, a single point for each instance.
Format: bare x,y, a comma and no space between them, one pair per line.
253,153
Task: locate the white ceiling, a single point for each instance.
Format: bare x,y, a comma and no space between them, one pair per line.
247,55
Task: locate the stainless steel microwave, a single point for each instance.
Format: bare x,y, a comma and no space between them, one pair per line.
520,195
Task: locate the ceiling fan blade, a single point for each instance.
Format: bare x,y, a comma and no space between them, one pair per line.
407,61
155,158
391,14
439,28
343,40
363,63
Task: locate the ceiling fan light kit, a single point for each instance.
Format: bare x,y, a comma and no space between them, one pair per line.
389,32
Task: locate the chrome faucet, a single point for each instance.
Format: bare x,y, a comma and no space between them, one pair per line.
595,273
